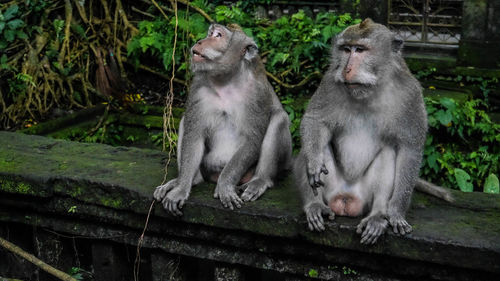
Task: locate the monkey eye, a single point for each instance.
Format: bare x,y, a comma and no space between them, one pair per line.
345,49
360,49
218,34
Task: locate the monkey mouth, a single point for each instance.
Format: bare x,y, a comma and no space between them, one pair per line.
197,56
352,85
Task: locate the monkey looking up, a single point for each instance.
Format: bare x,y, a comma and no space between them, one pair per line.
234,131
363,135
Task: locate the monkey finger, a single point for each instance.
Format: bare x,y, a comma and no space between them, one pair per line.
309,225
324,170
315,191
317,180
311,181
320,183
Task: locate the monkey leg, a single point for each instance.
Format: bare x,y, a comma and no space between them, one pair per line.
407,167
275,155
379,180
314,205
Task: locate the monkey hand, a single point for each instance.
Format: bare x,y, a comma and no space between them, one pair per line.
227,195
172,196
162,190
314,213
399,224
373,226
314,170
255,188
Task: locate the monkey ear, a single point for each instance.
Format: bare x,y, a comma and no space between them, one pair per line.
397,44
251,51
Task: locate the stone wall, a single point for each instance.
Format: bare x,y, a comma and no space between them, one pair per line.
85,206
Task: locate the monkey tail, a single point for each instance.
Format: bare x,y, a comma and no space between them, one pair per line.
432,189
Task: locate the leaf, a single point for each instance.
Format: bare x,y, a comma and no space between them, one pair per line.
463,178
9,35
444,117
2,26
15,24
448,103
21,34
3,44
491,185
10,12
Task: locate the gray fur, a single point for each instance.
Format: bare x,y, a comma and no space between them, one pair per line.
366,140
233,123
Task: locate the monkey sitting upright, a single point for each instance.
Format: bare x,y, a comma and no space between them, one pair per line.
234,130
363,135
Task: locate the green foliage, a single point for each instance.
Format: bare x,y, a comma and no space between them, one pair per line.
11,26
292,47
462,150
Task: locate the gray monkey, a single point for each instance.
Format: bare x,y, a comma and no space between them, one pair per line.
234,131
363,135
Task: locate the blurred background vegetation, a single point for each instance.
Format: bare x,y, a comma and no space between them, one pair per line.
106,71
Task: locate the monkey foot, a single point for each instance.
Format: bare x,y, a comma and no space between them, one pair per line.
373,226
314,214
228,196
254,189
400,225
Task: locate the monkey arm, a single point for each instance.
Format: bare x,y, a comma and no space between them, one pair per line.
315,137
246,156
192,151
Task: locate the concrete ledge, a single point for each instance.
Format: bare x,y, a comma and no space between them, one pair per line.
104,192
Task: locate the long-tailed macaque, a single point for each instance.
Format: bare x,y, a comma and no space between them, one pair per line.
234,131
363,135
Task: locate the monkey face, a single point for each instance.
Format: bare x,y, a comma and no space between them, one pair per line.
206,52
361,55
222,51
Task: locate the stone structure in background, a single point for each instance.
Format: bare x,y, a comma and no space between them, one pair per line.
467,31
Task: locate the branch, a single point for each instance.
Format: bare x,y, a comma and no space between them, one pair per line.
119,6
148,69
34,260
159,8
199,10
289,86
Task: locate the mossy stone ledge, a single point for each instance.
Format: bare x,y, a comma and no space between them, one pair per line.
104,193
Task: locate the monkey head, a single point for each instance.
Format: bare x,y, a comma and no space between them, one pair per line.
364,56
223,51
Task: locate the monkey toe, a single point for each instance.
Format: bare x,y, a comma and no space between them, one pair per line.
400,226
229,198
254,189
371,228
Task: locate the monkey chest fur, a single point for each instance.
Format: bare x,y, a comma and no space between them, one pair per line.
355,146
224,116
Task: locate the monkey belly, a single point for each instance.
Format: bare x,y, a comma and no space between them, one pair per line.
221,147
346,204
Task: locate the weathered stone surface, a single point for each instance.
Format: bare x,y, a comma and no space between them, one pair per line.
105,192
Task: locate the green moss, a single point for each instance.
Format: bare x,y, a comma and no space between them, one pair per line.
16,187
116,203
313,273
